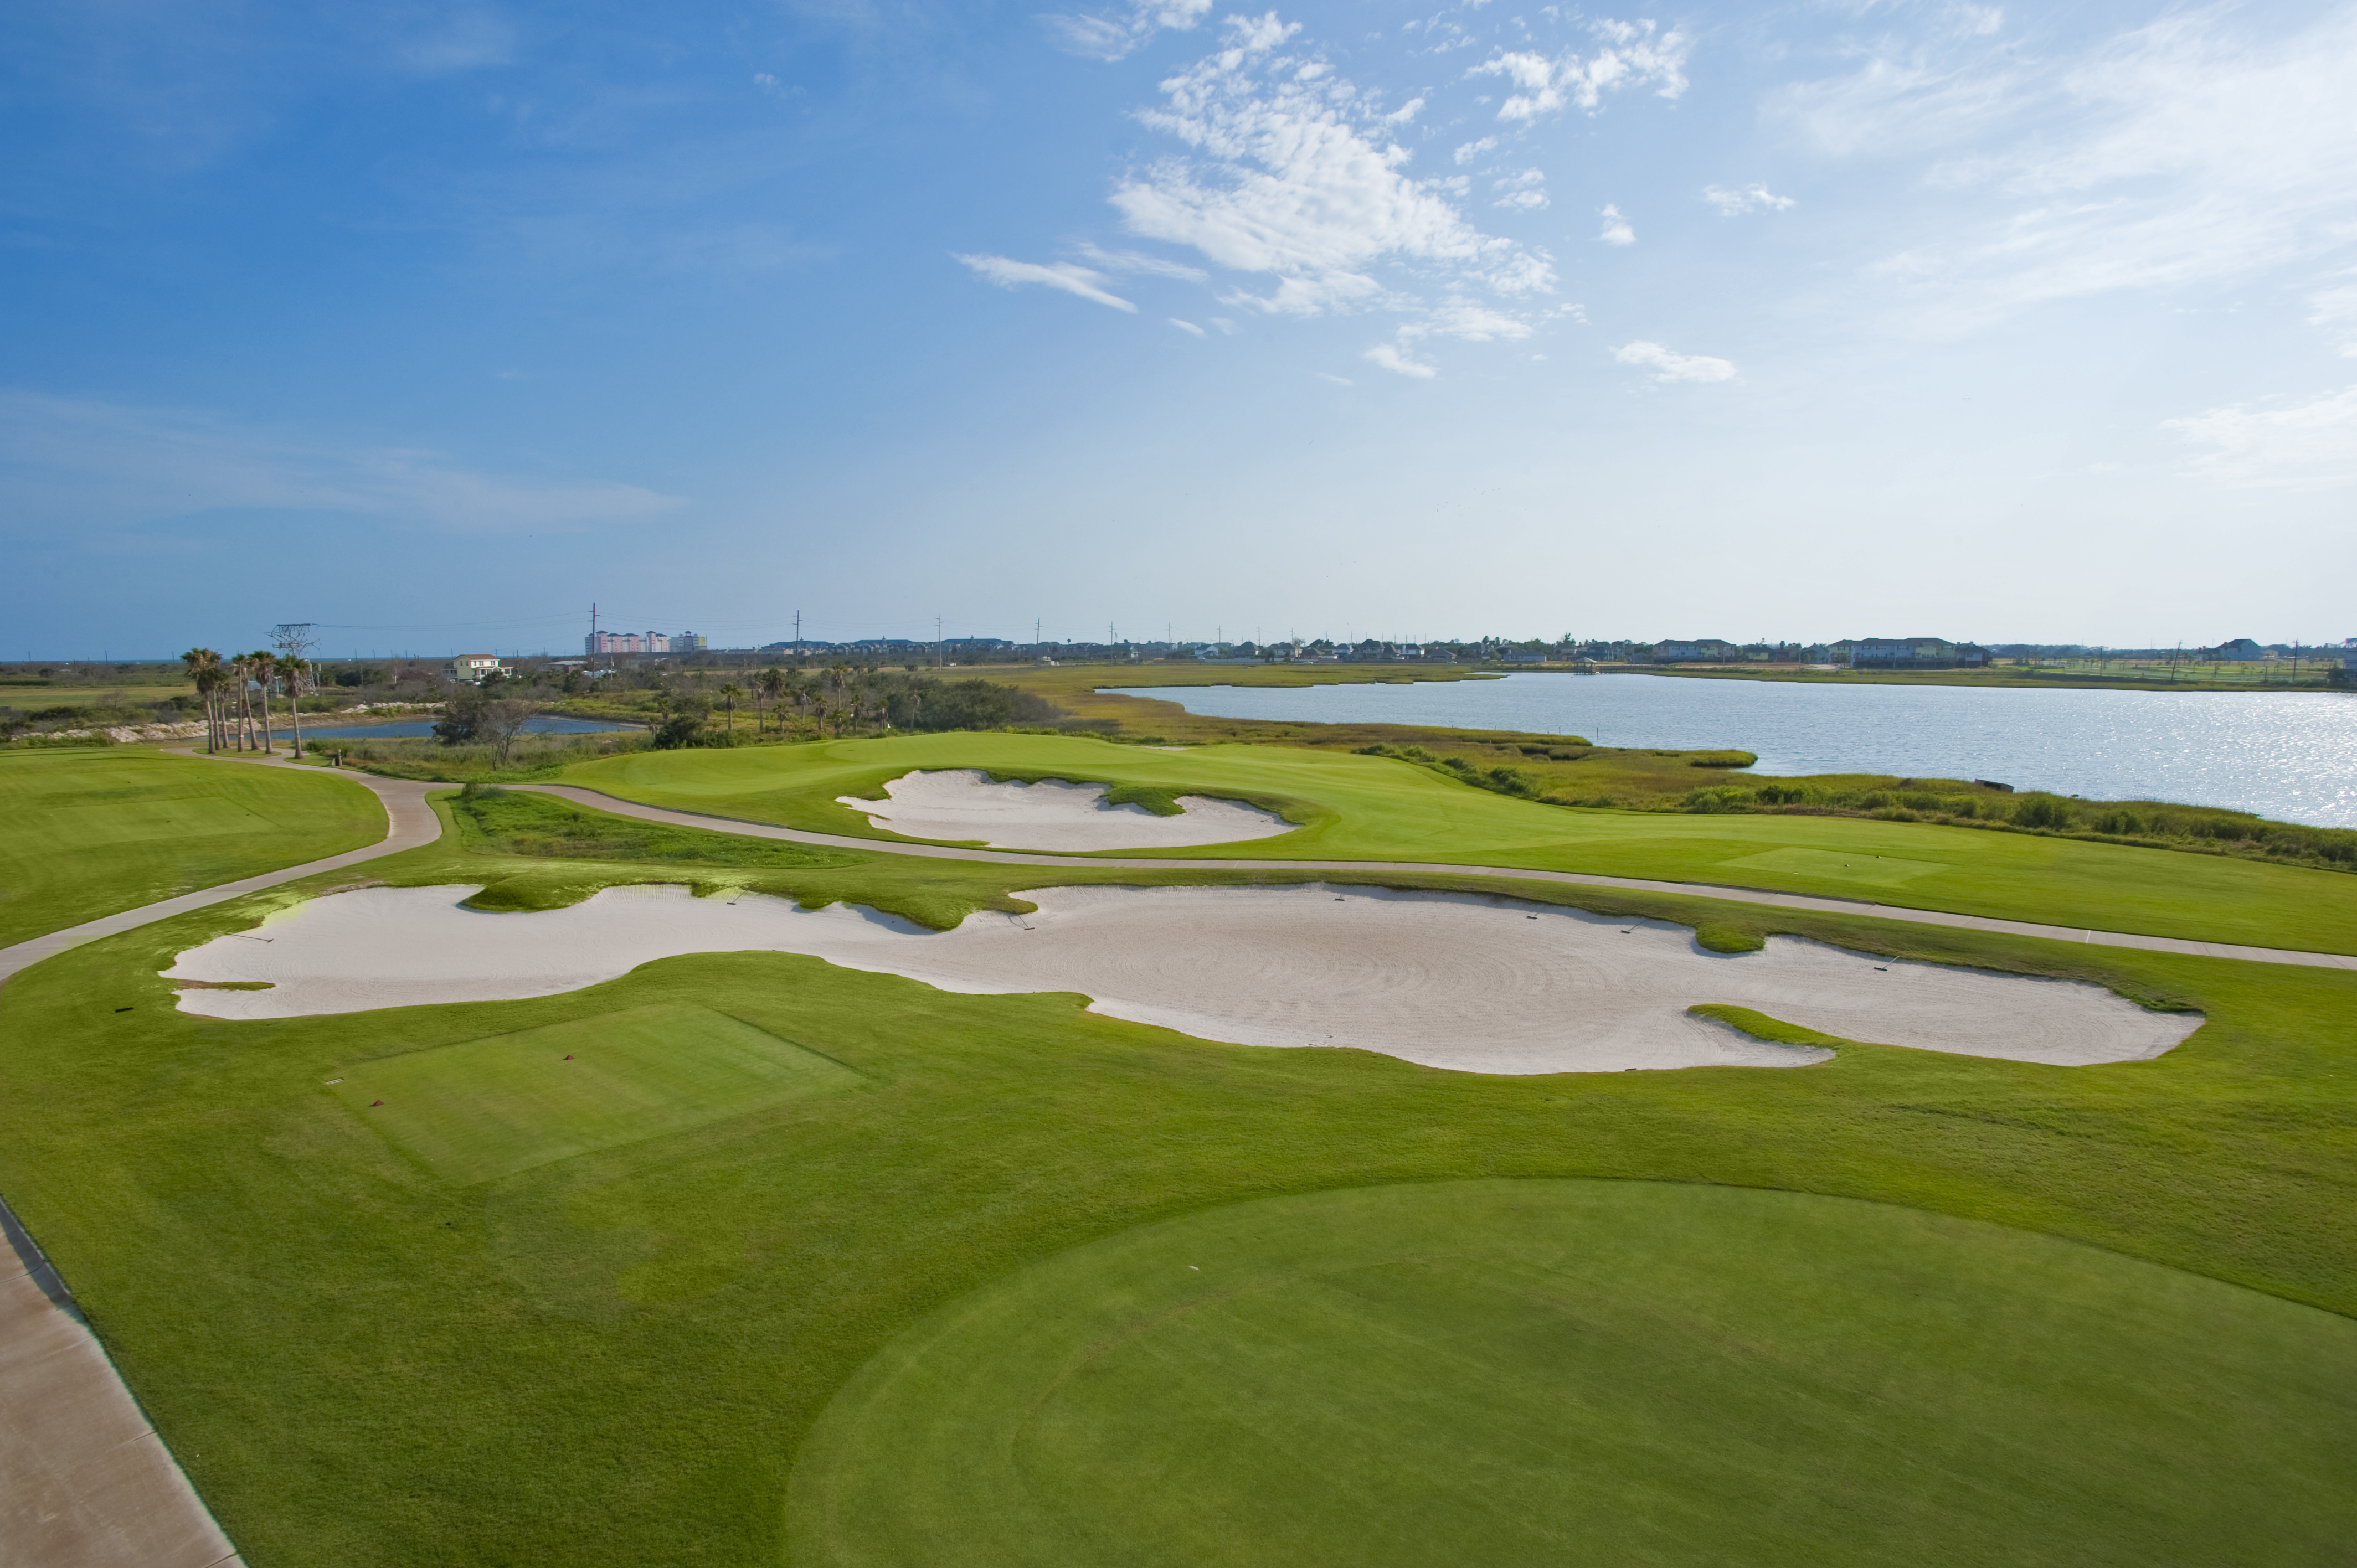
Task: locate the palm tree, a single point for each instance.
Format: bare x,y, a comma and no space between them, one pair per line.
730,693
265,665
772,687
295,670
205,669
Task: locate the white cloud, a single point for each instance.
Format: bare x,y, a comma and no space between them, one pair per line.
1523,192
1299,180
2276,444
1187,326
1139,262
1751,198
1667,366
1113,38
1616,230
2335,309
2188,150
1388,357
107,465
1064,276
1631,57
1472,150
1338,381
1465,318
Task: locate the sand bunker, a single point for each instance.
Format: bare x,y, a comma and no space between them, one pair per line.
961,805
1480,985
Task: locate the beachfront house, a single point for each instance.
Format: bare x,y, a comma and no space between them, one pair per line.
475,667
1914,653
1697,650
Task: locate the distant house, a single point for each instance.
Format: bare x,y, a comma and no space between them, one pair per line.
1695,651
474,667
1914,653
2242,650
1525,655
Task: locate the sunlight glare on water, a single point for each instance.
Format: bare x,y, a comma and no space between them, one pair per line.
2287,755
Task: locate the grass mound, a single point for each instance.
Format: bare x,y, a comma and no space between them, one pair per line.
485,1109
1761,1026
1579,1371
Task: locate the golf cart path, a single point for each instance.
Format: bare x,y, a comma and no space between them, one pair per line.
85,1479
599,801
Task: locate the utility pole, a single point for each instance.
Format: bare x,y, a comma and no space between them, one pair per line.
936,642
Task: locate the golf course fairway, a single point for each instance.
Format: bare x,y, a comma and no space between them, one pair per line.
1350,807
103,829
1585,1371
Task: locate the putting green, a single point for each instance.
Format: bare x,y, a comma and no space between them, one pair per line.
485,1109
86,833
1372,807
1584,1371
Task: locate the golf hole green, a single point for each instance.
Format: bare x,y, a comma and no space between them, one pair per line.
1591,1373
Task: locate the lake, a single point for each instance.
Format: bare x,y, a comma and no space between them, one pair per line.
409,729
2291,755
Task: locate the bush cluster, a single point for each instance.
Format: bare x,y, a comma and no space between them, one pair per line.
2163,826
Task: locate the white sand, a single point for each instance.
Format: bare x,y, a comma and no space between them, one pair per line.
961,805
1476,984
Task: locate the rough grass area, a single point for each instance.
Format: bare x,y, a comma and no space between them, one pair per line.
1581,1372
1391,809
1761,1026
88,832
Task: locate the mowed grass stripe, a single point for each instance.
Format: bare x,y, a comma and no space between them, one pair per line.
1580,1371
485,1109
1371,808
87,833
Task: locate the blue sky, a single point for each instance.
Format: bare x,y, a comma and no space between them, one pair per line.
434,324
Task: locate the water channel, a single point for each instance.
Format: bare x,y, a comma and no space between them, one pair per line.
2291,755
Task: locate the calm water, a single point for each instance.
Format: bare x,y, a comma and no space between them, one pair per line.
2287,755
407,729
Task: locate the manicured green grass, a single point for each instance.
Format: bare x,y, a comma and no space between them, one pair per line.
1582,1372
484,1109
88,832
366,1360
1369,808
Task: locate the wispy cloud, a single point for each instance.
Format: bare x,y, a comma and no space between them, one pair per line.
1632,56
1668,366
1751,198
1616,230
1187,327
1115,35
1472,150
1390,356
1139,262
2335,310
1294,178
110,465
2277,444
2188,150
1523,192
1064,276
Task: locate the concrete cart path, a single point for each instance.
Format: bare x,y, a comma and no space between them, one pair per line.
620,807
84,1480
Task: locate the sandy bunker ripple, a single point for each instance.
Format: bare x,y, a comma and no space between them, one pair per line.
963,805
1468,982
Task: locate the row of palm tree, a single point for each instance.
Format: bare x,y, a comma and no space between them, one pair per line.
234,719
